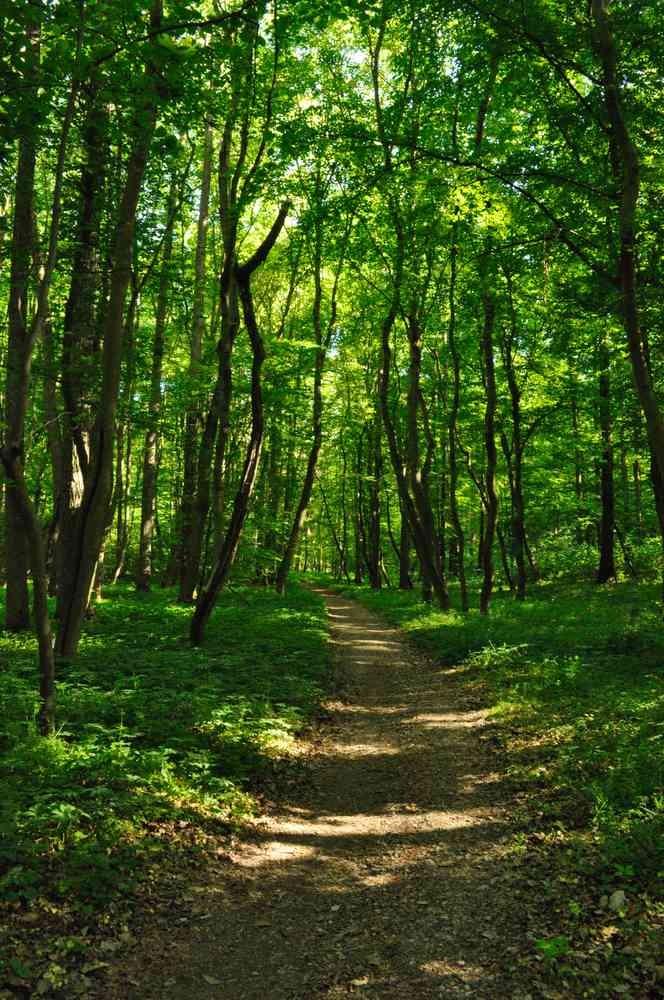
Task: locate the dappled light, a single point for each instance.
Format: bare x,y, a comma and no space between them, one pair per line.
398,817
331,500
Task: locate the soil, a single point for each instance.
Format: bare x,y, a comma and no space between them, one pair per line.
385,873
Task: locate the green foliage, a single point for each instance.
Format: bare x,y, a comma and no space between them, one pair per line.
150,731
578,675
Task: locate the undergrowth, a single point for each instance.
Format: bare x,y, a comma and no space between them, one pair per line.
150,732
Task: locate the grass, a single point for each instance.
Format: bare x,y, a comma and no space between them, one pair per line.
576,675
151,734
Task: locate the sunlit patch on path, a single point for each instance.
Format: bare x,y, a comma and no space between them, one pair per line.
383,874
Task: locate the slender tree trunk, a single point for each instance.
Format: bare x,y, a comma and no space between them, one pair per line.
452,426
607,569
150,447
504,557
375,469
316,420
417,472
425,553
17,609
578,469
491,498
274,495
22,340
514,453
188,525
405,581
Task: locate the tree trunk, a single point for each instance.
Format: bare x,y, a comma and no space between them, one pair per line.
150,447
188,516
93,518
578,469
17,610
405,581
316,420
607,569
490,496
514,453
225,557
452,426
375,470
626,157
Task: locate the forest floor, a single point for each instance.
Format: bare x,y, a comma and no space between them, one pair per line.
384,866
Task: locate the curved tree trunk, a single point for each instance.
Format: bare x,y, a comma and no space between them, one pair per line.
225,556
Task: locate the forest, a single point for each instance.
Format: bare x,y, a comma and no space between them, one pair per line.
332,352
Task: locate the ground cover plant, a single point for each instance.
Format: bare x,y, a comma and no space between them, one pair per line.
574,677
152,736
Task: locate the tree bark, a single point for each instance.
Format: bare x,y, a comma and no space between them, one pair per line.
191,552
225,557
150,447
19,352
490,495
607,568
514,452
316,418
626,158
452,430
91,525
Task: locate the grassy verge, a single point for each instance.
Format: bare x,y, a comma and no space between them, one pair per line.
574,679
157,742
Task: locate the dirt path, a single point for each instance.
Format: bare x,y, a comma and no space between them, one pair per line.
384,875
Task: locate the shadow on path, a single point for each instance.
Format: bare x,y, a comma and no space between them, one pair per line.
384,875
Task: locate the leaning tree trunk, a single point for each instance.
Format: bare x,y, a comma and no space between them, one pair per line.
79,345
216,427
91,526
225,557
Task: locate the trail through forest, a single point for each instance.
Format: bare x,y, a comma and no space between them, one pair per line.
384,874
